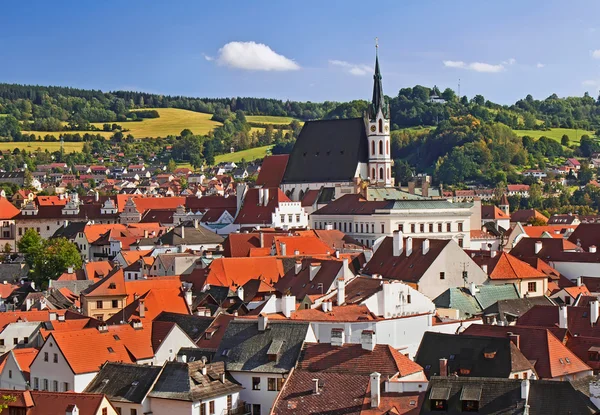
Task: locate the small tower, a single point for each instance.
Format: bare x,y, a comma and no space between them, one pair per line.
504,205
377,122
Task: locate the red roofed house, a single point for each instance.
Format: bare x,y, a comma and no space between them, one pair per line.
270,207
527,216
8,213
573,163
235,272
570,295
38,402
491,213
272,171
518,190
14,368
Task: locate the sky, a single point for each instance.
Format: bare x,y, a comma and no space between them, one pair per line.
304,50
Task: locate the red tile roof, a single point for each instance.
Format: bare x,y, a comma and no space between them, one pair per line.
7,210
525,215
233,272
54,403
393,403
586,235
301,245
506,267
344,313
24,358
272,170
253,212
555,231
578,319
492,212
240,244
216,330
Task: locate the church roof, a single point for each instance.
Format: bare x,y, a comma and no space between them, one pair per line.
326,143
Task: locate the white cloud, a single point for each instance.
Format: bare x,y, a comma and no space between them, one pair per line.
254,56
539,65
352,68
589,82
208,58
475,66
510,61
595,53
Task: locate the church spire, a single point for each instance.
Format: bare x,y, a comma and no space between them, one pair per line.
378,101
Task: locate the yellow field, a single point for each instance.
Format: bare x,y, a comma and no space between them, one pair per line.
171,122
58,133
248,155
35,145
269,119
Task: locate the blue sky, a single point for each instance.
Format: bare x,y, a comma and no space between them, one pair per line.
304,50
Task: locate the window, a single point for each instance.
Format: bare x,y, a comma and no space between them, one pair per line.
10,374
202,408
449,227
45,356
271,384
255,409
532,287
382,228
26,340
380,146
118,409
373,151
255,384
401,227
460,242
211,407
439,227
1,342
133,411
282,217
280,383
362,228
470,406
289,218
55,357
99,304
460,229
104,411
439,405
297,218
45,384
431,228
372,228
115,303
413,228
55,386
380,130
408,299
66,386
422,228
381,173
36,383
16,340
442,275
568,300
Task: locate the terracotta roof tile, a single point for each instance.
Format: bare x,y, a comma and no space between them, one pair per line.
506,267
7,210
272,170
234,272
492,212
253,212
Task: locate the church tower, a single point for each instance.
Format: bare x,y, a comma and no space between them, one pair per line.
377,122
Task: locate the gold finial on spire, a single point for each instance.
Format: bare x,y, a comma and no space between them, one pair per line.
376,43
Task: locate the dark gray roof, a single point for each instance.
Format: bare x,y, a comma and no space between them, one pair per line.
192,235
75,286
551,397
193,326
70,231
124,382
244,347
195,353
480,356
185,381
515,308
326,143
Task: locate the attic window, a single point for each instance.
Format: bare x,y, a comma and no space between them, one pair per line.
110,350
225,352
567,360
451,357
562,362
135,383
112,286
116,337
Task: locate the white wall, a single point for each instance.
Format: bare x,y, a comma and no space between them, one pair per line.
393,299
175,407
573,270
263,397
171,344
286,209
19,331
11,376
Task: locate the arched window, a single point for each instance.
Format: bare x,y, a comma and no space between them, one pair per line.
373,147
373,173
380,147
387,147
380,125
301,195
381,173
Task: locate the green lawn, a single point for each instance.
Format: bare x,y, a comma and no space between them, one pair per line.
42,145
171,122
58,133
248,155
269,119
556,134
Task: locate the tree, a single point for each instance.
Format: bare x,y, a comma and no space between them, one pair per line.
529,120
402,171
565,140
30,245
171,166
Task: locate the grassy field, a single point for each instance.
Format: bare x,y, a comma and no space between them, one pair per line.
248,155
556,134
171,122
58,133
269,119
34,145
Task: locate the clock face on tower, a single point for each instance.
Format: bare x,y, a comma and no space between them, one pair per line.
373,128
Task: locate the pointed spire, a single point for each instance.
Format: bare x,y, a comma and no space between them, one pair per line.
378,101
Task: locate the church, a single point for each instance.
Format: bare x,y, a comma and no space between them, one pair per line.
341,154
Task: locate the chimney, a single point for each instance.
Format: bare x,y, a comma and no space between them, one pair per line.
204,370
52,316
411,187
263,321
182,232
525,390
538,247
288,305
409,241
240,292
562,316
473,288
595,393
222,377
515,338
316,390
314,268
146,233
347,274
337,254
283,248
398,243
594,310
368,340
96,196
261,196
443,366
188,297
341,291
70,270
72,410
196,223
182,358
592,249
261,238
425,246
375,389
142,307
338,337
102,328
425,188
266,197
484,267
493,253
297,267
579,281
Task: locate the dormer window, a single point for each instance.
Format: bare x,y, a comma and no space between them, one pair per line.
470,397
439,398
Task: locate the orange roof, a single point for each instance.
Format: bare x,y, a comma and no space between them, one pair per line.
301,245
111,285
93,232
7,289
351,312
7,209
555,231
233,272
50,201
24,358
575,291
507,267
492,212
97,269
88,349
140,287
258,252
30,316
156,301
144,203
131,256
559,355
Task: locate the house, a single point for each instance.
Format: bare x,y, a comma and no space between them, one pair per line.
260,355
8,232
332,378
264,207
429,265
491,213
570,295
518,190
272,171
507,312
235,272
14,177
472,356
36,402
536,174
367,218
552,359
464,303
527,216
568,219
457,395
573,163
14,368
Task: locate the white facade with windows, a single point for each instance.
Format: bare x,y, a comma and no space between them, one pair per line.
290,215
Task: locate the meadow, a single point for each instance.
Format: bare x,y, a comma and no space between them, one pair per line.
268,119
42,145
248,155
556,134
